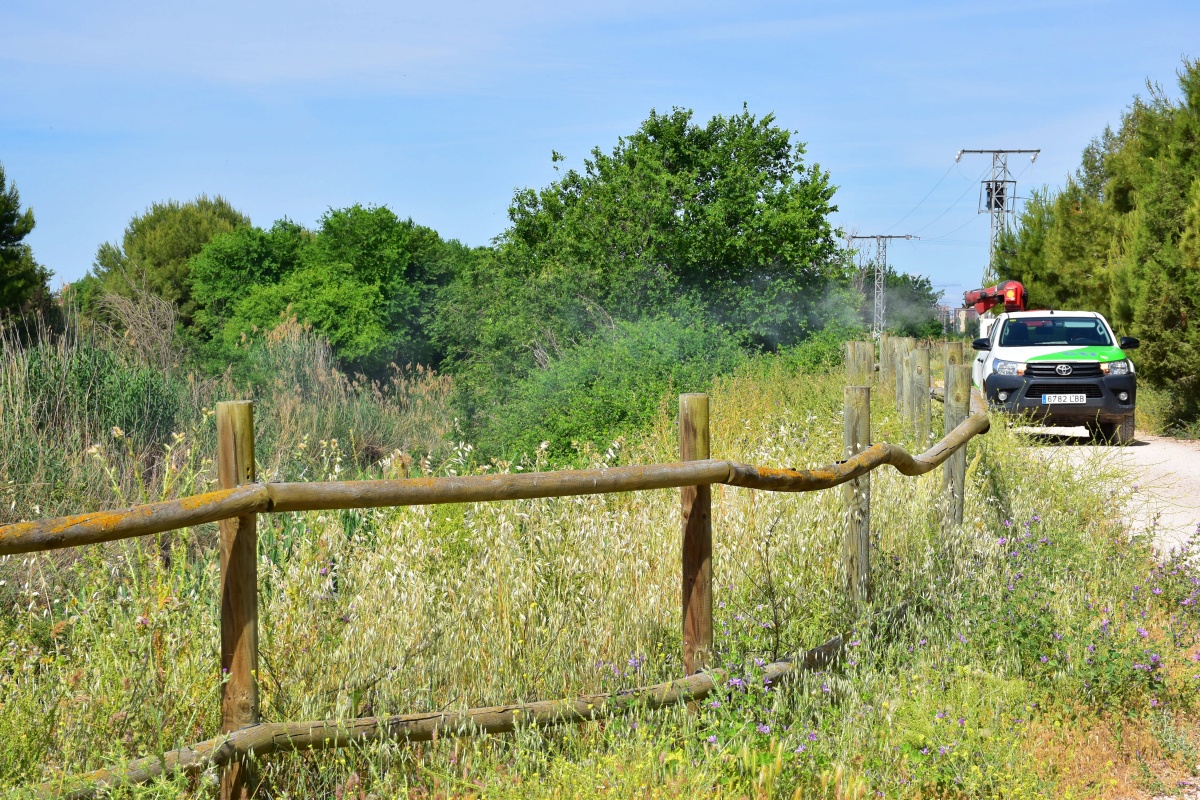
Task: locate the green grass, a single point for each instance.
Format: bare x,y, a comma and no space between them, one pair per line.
1019,629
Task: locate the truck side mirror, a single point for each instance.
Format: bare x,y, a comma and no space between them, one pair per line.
981,344
1129,343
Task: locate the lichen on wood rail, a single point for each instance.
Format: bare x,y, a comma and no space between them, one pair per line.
103,526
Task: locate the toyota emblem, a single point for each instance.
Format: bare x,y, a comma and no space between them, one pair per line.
1063,369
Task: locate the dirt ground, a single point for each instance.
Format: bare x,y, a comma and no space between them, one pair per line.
1165,478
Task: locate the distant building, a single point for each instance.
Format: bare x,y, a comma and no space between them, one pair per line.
966,319
945,318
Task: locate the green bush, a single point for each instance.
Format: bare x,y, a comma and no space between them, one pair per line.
609,386
90,388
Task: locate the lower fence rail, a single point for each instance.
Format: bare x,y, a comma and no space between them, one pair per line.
282,737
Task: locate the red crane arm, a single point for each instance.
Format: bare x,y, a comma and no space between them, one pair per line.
1011,293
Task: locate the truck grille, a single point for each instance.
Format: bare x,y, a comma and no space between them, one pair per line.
1042,369
1092,390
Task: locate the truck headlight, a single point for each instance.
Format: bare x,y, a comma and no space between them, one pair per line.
1002,367
1117,367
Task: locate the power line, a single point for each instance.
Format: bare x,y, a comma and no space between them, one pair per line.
950,207
942,236
923,199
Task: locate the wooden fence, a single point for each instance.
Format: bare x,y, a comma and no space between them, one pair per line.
240,499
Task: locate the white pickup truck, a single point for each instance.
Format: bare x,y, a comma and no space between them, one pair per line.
1062,367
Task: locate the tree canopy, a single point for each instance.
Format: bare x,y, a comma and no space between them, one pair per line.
720,223
365,279
22,280
157,246
1123,236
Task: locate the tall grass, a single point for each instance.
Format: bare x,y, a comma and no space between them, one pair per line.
391,610
90,424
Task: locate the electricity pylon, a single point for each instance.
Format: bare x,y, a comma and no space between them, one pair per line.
998,197
880,276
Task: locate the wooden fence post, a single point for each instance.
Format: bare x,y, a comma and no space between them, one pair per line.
922,411
239,590
954,471
886,363
953,354
903,376
860,363
696,504
856,550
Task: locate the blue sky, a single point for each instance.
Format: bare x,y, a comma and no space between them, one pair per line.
440,110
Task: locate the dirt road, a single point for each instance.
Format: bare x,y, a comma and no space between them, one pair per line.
1165,475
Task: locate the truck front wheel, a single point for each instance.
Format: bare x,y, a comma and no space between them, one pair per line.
1117,432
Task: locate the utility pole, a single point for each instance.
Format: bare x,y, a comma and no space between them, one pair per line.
998,197
880,276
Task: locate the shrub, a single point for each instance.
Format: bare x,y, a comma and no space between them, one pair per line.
609,386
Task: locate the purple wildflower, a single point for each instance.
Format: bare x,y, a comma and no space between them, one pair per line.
762,727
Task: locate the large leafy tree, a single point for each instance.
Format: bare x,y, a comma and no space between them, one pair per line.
1121,236
365,279
155,251
23,282
721,222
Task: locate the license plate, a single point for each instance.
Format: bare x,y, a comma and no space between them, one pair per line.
1047,399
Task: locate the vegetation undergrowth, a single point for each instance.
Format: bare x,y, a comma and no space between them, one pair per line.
1037,649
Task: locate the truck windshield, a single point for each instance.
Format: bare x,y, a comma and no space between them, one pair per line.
1040,331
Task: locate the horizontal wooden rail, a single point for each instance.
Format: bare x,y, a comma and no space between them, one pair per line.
104,526
279,737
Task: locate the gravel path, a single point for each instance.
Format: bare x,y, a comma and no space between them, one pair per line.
1166,477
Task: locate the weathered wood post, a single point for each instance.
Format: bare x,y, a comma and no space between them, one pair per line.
696,504
856,549
898,370
922,411
860,363
904,381
239,590
953,354
954,471
886,362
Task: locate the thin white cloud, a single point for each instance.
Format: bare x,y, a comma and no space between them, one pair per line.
373,43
